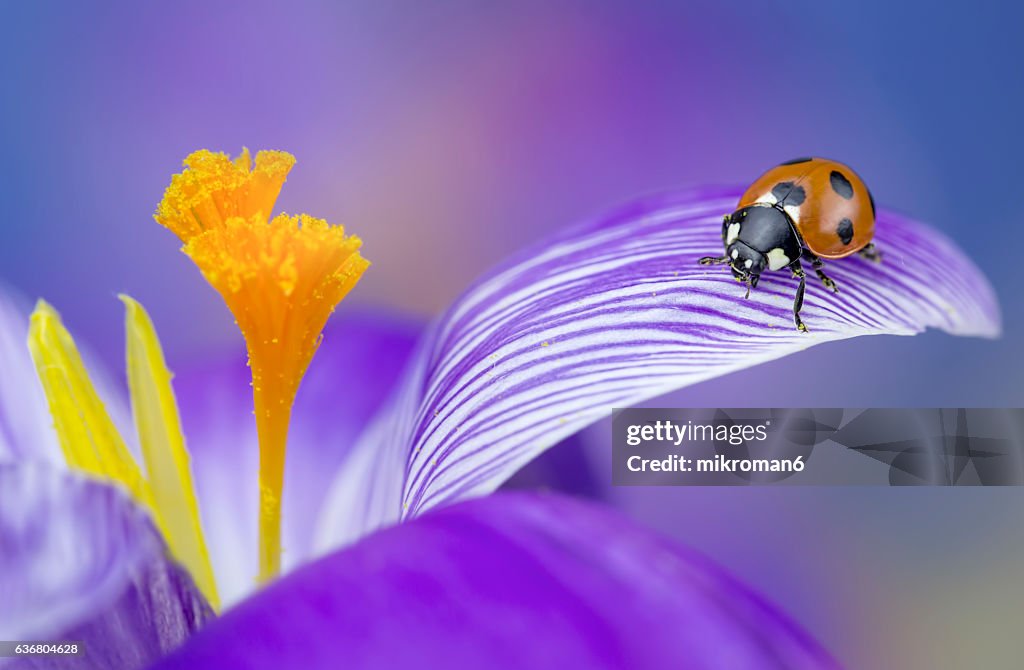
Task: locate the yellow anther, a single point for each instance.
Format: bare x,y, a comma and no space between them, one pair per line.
86,432
163,447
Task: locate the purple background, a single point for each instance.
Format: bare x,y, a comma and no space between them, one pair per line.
450,134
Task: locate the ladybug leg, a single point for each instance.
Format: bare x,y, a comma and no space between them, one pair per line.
714,260
817,264
798,301
871,253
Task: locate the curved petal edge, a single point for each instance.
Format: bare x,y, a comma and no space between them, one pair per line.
611,313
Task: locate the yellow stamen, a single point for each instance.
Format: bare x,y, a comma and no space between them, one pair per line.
163,447
91,442
87,434
281,279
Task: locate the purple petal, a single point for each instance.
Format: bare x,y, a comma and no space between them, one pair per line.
609,314
354,371
509,581
78,561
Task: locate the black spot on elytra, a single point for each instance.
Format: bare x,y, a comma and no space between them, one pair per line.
871,199
797,160
788,194
845,230
841,185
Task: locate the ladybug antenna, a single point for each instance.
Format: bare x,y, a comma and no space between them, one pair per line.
750,283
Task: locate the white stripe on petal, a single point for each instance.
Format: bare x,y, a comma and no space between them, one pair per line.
607,315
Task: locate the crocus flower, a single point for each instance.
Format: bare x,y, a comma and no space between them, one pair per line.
605,314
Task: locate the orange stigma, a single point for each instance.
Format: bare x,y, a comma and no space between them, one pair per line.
281,278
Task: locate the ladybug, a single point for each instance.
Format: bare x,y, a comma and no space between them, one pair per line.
805,209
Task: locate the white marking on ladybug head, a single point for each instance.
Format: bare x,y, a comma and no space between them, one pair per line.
732,232
768,199
777,259
794,212
735,253
748,263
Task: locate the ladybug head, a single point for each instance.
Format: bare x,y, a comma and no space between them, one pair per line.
746,263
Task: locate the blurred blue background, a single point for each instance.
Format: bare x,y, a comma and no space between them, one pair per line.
450,134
